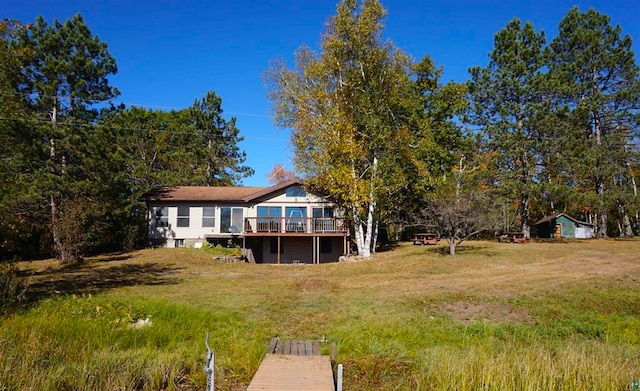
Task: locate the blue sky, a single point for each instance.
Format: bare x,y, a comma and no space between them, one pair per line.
170,53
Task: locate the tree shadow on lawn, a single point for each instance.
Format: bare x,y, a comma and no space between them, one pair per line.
96,277
471,249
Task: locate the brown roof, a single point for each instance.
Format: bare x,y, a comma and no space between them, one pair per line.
269,190
214,193
200,193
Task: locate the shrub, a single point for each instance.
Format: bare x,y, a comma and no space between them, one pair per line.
218,250
12,288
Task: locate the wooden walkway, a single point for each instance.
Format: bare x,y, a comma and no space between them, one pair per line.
294,365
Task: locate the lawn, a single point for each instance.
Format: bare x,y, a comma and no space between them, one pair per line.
538,316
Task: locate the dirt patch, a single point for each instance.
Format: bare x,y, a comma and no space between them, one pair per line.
467,312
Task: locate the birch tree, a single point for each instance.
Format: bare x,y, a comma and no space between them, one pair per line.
346,108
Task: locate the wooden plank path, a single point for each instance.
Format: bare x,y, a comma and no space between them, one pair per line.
294,365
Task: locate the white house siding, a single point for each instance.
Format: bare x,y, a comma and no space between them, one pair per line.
194,233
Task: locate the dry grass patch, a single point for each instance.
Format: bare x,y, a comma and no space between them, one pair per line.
497,316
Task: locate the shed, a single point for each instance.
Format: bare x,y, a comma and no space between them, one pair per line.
562,225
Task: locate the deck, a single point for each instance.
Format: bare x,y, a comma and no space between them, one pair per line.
294,365
295,225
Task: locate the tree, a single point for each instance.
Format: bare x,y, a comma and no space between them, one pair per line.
279,174
152,148
347,111
63,76
462,206
16,228
216,140
506,104
594,78
431,110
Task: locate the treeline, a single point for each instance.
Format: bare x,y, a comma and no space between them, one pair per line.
546,126
73,164
561,120
543,128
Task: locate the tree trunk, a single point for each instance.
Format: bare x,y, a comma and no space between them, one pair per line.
626,225
452,246
524,216
374,240
368,235
358,230
53,203
602,216
602,221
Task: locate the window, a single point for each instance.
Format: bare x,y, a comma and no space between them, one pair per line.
178,243
208,216
183,216
296,218
323,220
231,220
274,246
161,216
269,218
295,191
325,245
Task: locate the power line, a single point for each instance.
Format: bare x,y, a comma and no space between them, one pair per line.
129,104
92,126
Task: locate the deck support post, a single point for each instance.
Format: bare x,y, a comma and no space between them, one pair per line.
278,257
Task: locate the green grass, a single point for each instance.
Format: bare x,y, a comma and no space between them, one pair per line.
541,316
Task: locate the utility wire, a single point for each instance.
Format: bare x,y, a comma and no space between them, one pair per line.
111,127
127,104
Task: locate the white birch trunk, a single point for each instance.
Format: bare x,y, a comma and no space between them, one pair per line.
366,249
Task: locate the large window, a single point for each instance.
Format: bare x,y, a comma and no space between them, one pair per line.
183,216
296,218
269,218
231,220
161,216
295,191
208,216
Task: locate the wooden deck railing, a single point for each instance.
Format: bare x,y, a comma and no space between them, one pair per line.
301,225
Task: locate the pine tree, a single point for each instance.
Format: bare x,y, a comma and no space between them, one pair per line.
596,81
505,105
64,75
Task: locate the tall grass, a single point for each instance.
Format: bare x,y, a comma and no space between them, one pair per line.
536,317
88,343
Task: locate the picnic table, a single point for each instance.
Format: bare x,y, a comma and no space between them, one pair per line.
427,238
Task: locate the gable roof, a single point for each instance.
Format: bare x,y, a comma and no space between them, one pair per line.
270,190
214,193
199,193
555,216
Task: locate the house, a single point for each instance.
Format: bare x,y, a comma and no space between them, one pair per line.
278,224
562,225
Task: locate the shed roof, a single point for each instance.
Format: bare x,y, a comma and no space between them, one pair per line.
556,215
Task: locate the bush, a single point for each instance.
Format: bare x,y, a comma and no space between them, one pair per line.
12,288
218,250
